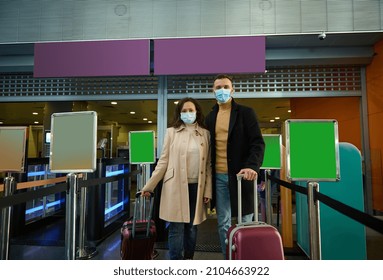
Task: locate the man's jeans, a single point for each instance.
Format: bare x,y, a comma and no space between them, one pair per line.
224,209
183,236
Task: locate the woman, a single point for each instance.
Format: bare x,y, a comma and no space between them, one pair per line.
184,167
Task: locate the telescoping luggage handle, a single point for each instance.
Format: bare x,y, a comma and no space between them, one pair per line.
149,217
239,181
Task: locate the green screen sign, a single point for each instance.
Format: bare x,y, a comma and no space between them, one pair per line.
312,149
273,151
141,147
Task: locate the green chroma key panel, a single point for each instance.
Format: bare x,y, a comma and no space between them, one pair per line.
12,148
312,150
73,142
141,147
273,151
342,238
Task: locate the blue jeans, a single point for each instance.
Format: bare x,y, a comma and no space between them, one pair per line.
223,208
183,236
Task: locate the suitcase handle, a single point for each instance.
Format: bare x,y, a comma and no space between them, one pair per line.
149,217
239,182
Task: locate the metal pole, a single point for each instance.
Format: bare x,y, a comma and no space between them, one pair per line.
314,228
142,208
70,217
81,227
145,178
239,182
83,252
269,206
6,218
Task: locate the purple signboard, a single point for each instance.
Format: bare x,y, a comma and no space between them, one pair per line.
92,58
209,55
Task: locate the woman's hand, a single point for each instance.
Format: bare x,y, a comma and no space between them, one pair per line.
147,194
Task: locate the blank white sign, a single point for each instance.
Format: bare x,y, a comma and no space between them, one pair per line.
12,148
73,142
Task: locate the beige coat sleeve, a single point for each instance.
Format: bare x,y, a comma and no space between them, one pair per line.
162,164
208,192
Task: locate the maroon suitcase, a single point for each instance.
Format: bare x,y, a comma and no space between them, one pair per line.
138,236
253,240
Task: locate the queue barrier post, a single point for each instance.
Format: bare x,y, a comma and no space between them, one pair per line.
5,228
269,207
70,216
83,252
314,227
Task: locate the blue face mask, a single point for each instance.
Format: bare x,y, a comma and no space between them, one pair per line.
222,95
188,117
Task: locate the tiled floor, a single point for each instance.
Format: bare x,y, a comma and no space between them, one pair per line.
207,246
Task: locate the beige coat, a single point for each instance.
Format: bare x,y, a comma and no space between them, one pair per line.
171,167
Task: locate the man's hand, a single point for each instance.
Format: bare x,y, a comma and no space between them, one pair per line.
248,174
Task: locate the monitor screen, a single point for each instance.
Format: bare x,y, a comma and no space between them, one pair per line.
47,137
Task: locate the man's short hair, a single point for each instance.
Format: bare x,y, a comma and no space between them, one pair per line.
223,76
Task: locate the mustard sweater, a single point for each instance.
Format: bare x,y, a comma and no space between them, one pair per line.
221,135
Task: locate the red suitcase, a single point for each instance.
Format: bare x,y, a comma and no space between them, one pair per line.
138,236
253,240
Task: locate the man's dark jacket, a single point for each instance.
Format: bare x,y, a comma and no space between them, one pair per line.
245,149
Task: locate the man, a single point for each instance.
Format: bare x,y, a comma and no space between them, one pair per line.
237,147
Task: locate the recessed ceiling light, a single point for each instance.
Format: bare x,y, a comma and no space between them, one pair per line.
149,121
272,120
288,111
132,112
35,113
176,102
277,118
35,122
145,119
113,103
1,122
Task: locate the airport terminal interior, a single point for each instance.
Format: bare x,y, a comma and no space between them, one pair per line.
129,62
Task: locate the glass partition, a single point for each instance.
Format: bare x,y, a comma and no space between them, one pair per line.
45,206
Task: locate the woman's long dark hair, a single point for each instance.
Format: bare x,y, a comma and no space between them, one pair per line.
200,118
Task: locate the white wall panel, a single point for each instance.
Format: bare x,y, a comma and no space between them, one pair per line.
314,15
164,18
29,30
54,20
238,17
213,18
340,15
50,29
9,9
117,20
94,20
8,30
288,16
141,19
73,22
9,17
366,15
188,18
263,19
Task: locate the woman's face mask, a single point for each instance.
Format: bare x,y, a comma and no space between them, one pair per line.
188,117
222,95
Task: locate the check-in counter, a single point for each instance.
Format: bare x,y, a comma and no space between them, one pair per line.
110,202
